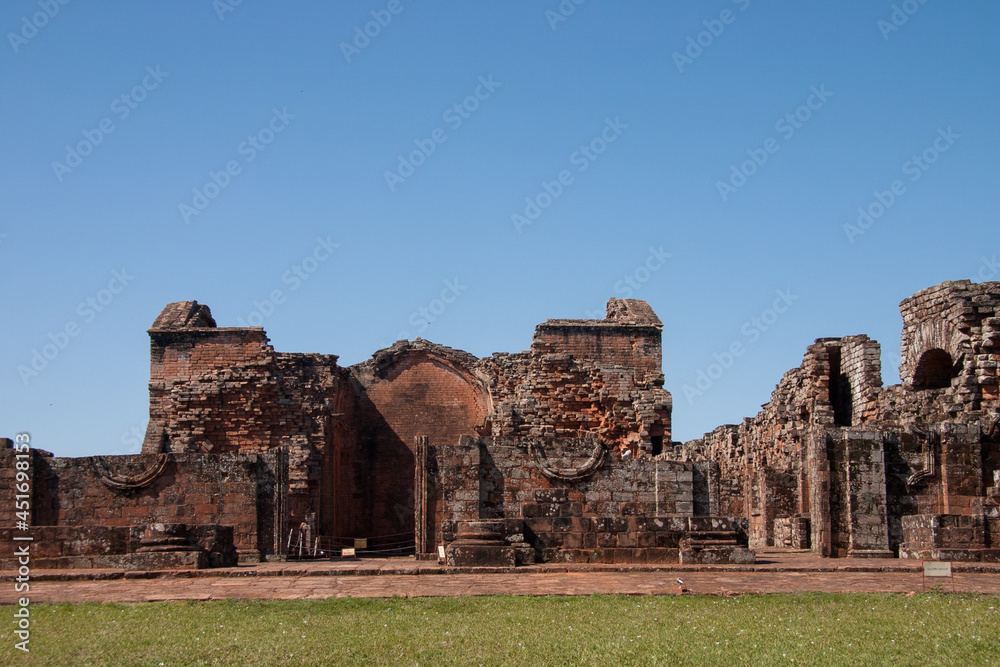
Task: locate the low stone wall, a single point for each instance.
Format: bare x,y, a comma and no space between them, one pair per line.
632,539
574,500
946,537
85,547
87,509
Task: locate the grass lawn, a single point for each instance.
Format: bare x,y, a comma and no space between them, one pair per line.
812,629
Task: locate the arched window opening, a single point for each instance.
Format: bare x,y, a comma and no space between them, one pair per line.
934,370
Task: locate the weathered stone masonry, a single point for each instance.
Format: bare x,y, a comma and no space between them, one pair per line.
559,453
838,463
93,512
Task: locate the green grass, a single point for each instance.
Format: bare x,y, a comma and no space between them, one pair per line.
812,629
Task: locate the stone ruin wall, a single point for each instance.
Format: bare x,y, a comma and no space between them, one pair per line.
962,320
596,377
764,461
607,510
833,461
349,432
92,511
225,390
934,452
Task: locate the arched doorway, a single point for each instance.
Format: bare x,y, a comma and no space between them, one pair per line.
420,389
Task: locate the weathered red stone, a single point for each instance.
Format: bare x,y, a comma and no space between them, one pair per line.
564,450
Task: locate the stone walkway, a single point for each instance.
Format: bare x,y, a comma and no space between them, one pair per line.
777,571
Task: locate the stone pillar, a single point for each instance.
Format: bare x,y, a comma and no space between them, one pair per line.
819,494
421,522
866,494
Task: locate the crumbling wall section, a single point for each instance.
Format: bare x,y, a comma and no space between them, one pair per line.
314,402
594,378
723,447
765,467
349,433
210,389
575,499
225,390
861,377
950,354
131,492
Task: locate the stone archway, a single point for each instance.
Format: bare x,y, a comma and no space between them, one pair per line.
931,349
412,389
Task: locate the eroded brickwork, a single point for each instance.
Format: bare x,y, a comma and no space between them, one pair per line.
764,461
950,354
572,501
560,452
101,505
345,438
869,468
599,377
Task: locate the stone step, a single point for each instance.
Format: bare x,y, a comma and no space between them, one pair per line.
697,544
711,535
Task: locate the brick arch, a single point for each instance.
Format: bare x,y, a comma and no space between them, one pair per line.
422,393
935,334
408,390
934,369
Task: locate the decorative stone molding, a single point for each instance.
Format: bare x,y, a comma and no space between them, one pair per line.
127,482
583,471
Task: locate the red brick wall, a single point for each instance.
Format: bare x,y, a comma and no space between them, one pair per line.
422,396
417,394
596,377
207,350
192,489
212,386
630,346
960,318
500,478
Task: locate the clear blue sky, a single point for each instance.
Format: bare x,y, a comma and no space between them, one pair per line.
114,114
